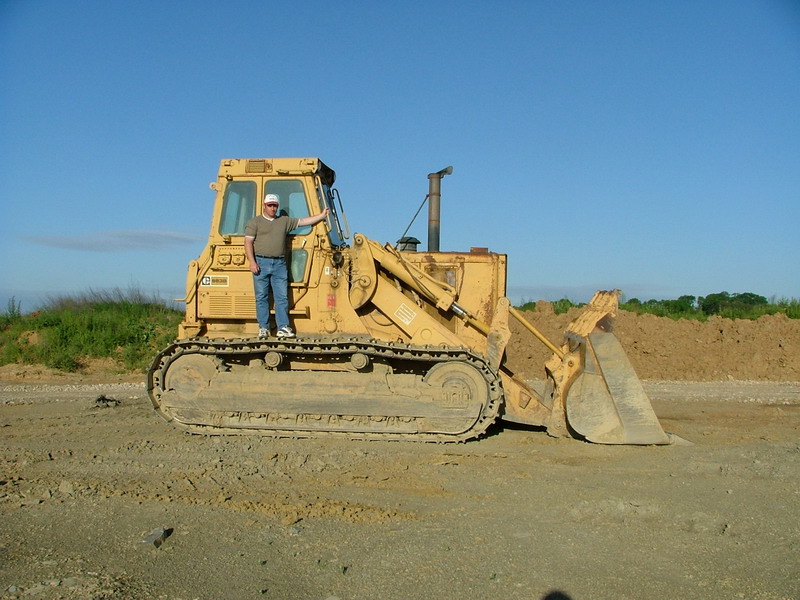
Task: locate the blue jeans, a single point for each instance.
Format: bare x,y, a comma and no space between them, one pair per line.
273,275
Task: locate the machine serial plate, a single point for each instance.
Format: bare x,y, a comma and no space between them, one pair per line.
215,281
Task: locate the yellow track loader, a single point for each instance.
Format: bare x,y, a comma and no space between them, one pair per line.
392,343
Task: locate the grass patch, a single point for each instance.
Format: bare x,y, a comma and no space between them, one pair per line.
124,325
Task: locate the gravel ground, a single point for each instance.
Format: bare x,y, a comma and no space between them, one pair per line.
89,471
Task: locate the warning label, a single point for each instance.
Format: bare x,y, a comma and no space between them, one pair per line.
405,313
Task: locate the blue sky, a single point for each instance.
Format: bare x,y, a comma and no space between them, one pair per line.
648,146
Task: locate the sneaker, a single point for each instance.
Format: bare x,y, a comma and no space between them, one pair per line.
285,332
262,333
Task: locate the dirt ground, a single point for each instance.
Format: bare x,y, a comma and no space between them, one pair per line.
89,471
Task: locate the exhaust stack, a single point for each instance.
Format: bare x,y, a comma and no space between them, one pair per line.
434,206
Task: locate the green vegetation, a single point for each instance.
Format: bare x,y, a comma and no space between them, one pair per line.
126,326
559,306
732,306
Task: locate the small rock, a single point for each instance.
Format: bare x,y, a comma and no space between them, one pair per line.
103,401
156,537
66,488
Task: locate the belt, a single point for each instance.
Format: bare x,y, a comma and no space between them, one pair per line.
262,256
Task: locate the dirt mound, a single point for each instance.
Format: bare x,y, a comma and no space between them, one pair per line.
767,349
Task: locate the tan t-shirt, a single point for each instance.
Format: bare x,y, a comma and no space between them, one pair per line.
269,236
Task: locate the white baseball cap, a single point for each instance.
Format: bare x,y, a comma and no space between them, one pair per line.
271,199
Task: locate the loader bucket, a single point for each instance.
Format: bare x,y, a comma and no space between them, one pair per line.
606,403
592,390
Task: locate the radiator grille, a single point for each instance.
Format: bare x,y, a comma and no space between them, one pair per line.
229,307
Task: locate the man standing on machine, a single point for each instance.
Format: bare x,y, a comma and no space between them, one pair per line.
265,246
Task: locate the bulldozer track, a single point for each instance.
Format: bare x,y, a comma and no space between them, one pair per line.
244,360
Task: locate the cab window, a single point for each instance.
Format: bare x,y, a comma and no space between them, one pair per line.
292,198
238,207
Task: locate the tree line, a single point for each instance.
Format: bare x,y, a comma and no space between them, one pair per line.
746,305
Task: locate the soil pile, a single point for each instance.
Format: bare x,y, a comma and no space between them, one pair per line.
767,349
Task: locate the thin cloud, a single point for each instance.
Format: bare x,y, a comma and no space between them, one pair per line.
117,241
